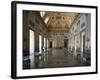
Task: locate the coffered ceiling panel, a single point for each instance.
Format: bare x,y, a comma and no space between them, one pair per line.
59,21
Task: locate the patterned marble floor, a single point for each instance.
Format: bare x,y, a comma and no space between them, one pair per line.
59,58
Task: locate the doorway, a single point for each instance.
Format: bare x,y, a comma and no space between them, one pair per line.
82,43
51,44
65,43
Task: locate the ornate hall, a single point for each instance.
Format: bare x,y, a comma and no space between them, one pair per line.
56,39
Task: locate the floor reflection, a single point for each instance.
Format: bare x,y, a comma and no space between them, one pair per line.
54,58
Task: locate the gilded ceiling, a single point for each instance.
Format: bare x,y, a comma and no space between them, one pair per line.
59,21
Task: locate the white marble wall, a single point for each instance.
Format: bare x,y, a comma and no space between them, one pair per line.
81,25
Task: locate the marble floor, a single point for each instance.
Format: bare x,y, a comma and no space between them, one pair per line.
59,58
55,58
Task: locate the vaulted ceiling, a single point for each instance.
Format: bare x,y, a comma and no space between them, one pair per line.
59,21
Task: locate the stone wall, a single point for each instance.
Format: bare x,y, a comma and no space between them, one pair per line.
80,27
33,21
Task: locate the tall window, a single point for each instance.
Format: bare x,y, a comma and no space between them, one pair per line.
32,49
44,43
31,42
